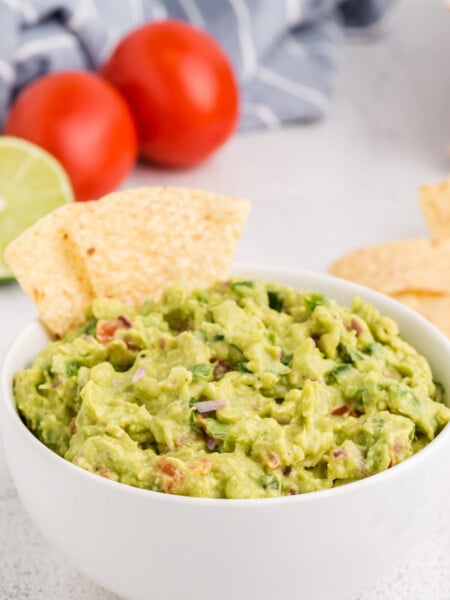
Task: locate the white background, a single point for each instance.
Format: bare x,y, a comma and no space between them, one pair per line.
317,192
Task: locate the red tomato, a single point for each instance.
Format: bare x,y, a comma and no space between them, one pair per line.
84,122
180,88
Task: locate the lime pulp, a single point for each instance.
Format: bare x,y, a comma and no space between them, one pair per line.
32,184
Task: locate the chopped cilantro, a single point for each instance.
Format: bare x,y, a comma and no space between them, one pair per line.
269,482
194,423
272,337
202,296
334,374
72,369
200,371
286,359
237,285
349,355
275,300
315,299
90,327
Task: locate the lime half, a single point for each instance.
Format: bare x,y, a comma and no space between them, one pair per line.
32,184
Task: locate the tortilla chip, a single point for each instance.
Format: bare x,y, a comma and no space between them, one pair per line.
435,308
137,242
400,266
48,272
129,245
435,204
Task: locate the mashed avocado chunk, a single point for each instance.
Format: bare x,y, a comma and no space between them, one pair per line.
244,390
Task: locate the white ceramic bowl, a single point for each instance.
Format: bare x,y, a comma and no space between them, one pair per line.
317,546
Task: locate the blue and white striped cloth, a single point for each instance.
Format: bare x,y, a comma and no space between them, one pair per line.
282,50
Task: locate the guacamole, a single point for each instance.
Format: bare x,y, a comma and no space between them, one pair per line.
244,390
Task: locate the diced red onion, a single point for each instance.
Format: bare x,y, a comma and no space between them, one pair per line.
210,405
211,443
124,321
356,327
344,411
339,453
138,375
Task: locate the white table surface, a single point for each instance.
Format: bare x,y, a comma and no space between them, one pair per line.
317,191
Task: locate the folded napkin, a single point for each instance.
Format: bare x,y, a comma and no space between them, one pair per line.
282,50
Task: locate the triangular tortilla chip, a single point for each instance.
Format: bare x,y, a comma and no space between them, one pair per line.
49,273
129,245
400,266
434,307
435,203
136,243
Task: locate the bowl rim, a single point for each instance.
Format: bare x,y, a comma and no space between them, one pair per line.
433,447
